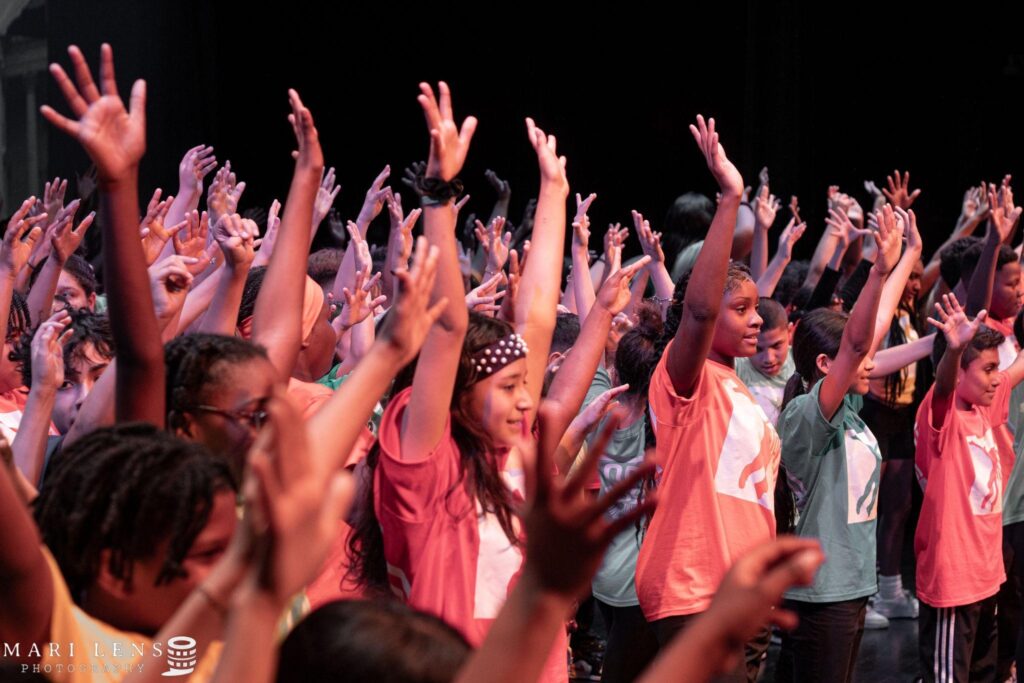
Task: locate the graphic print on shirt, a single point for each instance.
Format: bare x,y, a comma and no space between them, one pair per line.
612,472
863,473
743,470
986,497
769,397
498,560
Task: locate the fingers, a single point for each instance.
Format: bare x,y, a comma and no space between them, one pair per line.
584,473
86,86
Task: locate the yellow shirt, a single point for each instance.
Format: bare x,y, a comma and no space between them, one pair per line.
100,652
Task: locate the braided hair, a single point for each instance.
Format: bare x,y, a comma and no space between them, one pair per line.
126,489
193,362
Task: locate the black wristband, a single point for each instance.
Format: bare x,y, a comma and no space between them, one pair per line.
437,189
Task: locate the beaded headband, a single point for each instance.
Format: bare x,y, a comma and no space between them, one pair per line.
498,354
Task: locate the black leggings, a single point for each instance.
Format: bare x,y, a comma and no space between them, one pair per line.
631,643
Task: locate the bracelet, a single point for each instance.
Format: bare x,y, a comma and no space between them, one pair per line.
660,299
437,189
216,604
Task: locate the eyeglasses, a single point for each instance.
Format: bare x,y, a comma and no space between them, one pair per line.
251,418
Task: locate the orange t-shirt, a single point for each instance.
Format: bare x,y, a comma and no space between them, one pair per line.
717,490
959,538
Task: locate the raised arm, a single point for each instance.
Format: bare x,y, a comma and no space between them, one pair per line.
892,291
858,335
537,299
979,292
766,206
573,378
582,285
277,317
773,273
234,235
434,380
958,330
895,358
115,139
64,242
650,243
707,280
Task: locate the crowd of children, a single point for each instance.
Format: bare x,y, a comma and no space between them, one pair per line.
410,461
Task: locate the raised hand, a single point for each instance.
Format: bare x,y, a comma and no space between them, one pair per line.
729,179
309,155
292,504
791,234
954,324
53,198
358,305
236,236
872,189
266,246
224,193
552,166
194,166
411,316
152,230
766,206
48,350
325,196
794,208
401,228
888,239
495,243
842,227
483,298
374,201
614,238
598,409
500,186
508,306
1004,219
363,259
411,172
169,282
85,183
898,193
113,137
650,241
21,237
448,144
66,241
581,221
193,242
910,232
614,294
567,531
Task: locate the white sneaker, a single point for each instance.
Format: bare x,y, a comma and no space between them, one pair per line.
903,607
874,621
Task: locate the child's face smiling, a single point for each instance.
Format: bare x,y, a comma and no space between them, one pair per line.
979,380
738,324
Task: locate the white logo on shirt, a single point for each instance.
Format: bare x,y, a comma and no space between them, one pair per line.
986,496
743,468
863,472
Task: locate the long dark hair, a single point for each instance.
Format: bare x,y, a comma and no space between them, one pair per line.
478,468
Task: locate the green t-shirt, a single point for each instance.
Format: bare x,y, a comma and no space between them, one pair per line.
834,468
1013,498
767,391
332,382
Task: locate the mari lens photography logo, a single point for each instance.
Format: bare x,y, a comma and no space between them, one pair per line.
181,656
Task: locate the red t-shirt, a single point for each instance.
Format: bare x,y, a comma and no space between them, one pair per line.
445,557
717,490
959,538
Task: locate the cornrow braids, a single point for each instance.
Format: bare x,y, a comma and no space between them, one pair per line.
18,320
192,362
126,489
86,328
253,283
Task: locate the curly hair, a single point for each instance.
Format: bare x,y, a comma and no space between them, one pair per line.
86,328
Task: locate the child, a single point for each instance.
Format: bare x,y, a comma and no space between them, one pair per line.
719,452
767,371
958,543
834,467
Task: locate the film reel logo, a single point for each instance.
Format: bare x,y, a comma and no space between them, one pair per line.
181,656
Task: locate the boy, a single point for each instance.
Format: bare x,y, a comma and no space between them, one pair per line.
767,371
958,543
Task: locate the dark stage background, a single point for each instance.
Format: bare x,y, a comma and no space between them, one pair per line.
820,98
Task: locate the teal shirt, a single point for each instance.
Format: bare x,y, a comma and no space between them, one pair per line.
834,468
766,390
332,382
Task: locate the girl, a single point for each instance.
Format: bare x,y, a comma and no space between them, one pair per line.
719,453
833,464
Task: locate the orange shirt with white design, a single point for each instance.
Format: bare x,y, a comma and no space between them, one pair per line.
720,460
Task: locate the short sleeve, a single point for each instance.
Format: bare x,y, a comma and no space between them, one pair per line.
935,439
668,407
411,489
804,429
602,382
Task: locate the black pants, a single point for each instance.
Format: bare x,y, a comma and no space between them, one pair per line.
631,643
1008,612
959,644
824,646
749,663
